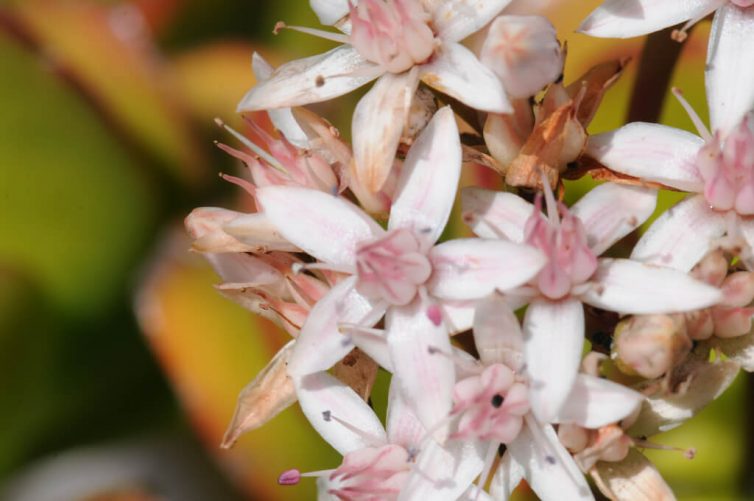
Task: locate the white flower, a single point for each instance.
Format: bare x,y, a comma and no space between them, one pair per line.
554,322
399,42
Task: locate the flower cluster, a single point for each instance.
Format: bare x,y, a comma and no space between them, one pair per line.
499,346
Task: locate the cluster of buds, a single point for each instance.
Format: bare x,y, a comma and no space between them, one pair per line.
484,337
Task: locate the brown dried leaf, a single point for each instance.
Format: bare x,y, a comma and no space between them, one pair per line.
594,83
633,479
472,155
358,371
270,393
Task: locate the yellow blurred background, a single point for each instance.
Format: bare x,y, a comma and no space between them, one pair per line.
119,363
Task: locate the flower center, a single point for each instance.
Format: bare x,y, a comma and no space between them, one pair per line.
727,168
491,405
392,268
570,260
371,473
392,33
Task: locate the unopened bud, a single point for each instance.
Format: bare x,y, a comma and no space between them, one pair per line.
738,289
712,268
699,324
573,437
649,345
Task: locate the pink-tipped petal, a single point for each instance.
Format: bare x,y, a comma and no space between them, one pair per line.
428,181
454,20
547,465
524,53
497,333
611,211
495,214
321,344
595,402
311,80
455,71
632,18
327,227
338,414
553,340
630,287
681,236
472,268
377,125
730,67
651,152
419,349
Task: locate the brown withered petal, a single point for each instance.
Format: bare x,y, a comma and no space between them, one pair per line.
633,479
358,371
270,393
594,83
588,165
288,315
704,382
472,155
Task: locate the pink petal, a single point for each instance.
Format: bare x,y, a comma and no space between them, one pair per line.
328,403
595,402
547,466
428,180
497,334
455,71
425,375
631,18
730,67
611,211
321,344
681,236
454,20
524,53
472,268
377,125
553,340
631,287
403,427
325,226
651,152
495,214
311,80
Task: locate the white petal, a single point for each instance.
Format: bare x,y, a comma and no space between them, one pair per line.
506,478
377,125
239,267
472,268
633,479
706,384
327,227
325,401
595,402
320,344
403,427
429,180
376,348
495,214
631,287
426,377
497,334
458,315
454,20
524,52
281,118
457,72
612,211
258,233
681,236
631,18
548,466
311,80
730,67
651,152
553,340
329,11
444,473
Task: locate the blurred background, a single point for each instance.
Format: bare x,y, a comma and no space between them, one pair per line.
119,363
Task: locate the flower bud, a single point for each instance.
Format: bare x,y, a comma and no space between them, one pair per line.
649,345
712,268
738,289
573,437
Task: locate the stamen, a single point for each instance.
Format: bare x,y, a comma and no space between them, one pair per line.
299,267
327,35
698,123
272,161
243,183
358,330
294,476
551,203
689,453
